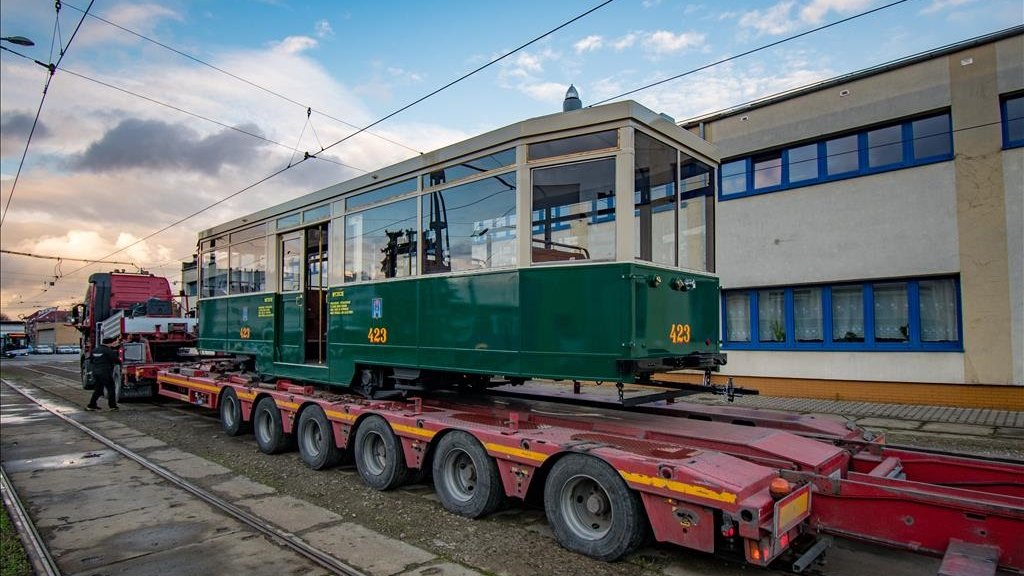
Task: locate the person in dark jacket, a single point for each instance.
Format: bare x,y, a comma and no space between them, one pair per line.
103,359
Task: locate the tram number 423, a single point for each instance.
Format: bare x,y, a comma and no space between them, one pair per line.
679,334
377,335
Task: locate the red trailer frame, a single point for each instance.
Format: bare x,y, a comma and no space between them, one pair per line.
703,485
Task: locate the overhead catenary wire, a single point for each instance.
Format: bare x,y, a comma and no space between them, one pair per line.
243,80
749,52
201,117
386,117
46,86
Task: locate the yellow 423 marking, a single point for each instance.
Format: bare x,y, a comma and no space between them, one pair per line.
679,334
245,333
377,335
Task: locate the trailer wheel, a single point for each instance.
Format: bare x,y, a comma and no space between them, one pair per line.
466,478
269,429
316,439
378,454
231,414
591,510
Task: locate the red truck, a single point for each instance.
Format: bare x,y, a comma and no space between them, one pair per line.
150,330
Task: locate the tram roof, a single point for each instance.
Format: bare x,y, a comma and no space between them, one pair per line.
531,128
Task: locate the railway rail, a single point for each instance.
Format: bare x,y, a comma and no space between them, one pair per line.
833,431
252,521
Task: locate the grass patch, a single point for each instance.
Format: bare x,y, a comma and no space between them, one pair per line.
13,561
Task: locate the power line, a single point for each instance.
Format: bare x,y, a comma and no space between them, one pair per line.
749,52
52,67
201,117
468,74
307,156
241,79
188,112
30,255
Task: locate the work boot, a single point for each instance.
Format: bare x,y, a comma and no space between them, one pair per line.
114,408
92,408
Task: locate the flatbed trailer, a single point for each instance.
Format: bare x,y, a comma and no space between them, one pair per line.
751,489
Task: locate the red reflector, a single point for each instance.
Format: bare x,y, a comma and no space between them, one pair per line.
784,541
729,532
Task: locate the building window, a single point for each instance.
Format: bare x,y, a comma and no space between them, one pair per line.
808,315
885,146
768,171
903,315
802,163
847,314
898,145
1013,121
737,319
734,177
771,315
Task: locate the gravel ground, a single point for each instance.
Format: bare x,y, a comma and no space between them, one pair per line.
516,541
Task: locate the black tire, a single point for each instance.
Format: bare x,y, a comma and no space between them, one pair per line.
269,431
379,456
86,370
466,478
315,437
231,414
591,509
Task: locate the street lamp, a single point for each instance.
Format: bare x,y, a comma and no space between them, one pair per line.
19,40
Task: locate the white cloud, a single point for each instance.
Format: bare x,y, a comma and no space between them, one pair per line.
296,44
787,16
142,18
626,41
323,29
940,5
544,91
775,20
588,44
814,12
665,42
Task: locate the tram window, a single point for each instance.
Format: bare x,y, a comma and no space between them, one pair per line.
574,145
249,233
654,201
318,213
580,195
469,168
470,227
379,194
289,221
381,242
215,273
291,263
695,191
248,266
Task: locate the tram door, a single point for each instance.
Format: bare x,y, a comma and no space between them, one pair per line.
302,323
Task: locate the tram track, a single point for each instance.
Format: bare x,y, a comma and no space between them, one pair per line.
67,387
250,520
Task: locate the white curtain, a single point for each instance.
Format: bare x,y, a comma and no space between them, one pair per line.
938,311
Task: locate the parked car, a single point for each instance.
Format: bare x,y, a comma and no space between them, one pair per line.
44,349
14,352
67,349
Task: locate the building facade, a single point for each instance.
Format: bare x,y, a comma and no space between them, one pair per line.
50,327
870,228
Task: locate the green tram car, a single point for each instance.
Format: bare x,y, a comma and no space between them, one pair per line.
574,246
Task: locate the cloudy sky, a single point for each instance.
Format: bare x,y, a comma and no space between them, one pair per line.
158,110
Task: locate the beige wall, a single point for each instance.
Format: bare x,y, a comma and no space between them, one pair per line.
965,216
981,216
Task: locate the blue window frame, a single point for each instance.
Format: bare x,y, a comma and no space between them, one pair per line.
912,142
909,315
1013,120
